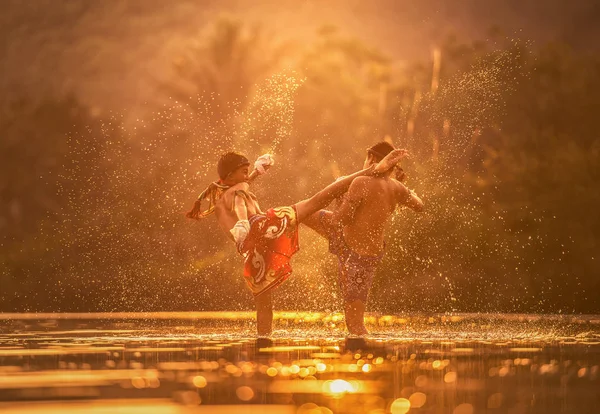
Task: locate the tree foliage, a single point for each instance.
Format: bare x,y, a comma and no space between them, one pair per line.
505,154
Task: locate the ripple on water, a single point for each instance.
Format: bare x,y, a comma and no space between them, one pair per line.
409,362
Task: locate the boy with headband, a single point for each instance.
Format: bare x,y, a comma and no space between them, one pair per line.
355,230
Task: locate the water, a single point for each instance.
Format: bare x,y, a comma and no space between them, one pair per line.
212,362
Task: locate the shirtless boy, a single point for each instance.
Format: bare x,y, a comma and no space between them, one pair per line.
356,230
266,240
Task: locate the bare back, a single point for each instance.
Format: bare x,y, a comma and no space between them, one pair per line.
224,211
374,200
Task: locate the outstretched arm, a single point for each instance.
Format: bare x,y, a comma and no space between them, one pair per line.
253,175
390,161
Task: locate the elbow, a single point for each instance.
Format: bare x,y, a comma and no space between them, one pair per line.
418,207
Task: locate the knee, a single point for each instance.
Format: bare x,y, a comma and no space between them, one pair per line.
263,301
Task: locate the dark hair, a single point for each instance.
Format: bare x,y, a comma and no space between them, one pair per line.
380,150
230,162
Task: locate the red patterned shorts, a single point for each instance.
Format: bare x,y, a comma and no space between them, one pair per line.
269,247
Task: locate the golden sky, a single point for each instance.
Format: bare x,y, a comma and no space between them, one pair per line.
97,48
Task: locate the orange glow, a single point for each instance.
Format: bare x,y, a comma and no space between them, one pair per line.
450,377
337,387
244,393
525,349
199,381
417,399
495,400
463,409
400,406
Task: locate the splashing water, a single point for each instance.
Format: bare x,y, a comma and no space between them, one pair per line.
268,119
127,189
126,245
445,131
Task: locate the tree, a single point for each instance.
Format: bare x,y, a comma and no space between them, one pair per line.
35,145
542,170
217,77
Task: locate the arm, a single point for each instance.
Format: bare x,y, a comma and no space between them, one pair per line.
253,175
410,199
350,202
389,161
241,229
239,207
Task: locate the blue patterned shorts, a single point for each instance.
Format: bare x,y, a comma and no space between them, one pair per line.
355,271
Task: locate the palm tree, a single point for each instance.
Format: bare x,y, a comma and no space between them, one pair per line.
216,77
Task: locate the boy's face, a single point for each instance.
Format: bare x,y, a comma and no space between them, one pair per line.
240,175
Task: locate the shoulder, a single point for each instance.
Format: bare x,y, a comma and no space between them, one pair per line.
230,192
397,184
238,187
361,182
239,190
241,186
360,186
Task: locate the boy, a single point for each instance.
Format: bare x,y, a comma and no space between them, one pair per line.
355,229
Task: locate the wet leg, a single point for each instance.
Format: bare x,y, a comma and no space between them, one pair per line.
355,317
264,314
323,198
319,222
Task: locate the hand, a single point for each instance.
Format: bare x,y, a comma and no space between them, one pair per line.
240,231
400,174
390,161
263,163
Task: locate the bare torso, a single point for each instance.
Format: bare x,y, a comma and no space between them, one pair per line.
224,212
365,234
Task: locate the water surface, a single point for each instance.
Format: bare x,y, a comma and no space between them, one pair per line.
213,362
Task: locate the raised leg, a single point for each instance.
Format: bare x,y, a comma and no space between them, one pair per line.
319,222
323,198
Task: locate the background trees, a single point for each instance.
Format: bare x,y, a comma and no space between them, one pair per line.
505,154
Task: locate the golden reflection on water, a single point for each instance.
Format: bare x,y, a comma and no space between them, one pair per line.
456,364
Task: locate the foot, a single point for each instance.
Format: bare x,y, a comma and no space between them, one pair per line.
354,344
263,342
390,161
